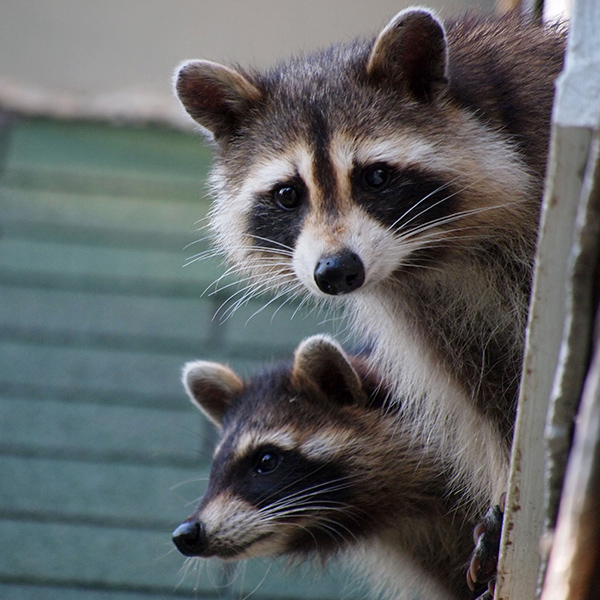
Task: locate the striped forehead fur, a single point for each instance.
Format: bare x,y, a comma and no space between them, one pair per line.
328,443
297,160
249,441
401,149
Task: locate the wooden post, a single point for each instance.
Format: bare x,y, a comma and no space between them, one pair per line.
573,154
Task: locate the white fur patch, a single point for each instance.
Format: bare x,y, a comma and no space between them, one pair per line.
393,575
401,150
224,512
327,444
440,412
297,161
376,246
229,214
232,523
251,440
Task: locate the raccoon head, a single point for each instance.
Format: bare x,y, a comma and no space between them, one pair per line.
345,168
280,482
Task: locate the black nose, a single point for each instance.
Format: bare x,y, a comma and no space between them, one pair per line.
340,274
190,538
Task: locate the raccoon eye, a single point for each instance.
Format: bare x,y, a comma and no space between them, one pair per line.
267,462
376,177
287,197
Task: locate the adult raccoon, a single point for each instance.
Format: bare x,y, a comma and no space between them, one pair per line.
400,177
312,461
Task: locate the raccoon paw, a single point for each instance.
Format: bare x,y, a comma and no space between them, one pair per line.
484,560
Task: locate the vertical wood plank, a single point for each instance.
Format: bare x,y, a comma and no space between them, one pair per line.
575,113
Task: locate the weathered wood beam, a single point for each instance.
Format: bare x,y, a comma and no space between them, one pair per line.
558,331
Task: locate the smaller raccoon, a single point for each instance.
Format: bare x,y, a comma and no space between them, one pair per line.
313,462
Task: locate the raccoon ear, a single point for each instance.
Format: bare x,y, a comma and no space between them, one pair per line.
320,361
411,52
211,387
215,96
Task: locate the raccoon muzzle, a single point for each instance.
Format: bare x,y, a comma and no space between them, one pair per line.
339,274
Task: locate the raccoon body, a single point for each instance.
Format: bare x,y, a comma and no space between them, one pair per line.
312,462
400,177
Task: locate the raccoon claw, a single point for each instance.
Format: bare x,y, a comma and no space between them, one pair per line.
489,593
486,537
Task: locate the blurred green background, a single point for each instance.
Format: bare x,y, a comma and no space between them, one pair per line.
101,454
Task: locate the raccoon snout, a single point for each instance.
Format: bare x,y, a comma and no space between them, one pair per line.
340,274
190,538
